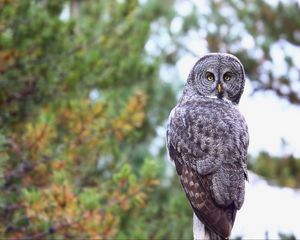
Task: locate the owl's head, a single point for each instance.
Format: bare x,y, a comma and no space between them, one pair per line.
218,75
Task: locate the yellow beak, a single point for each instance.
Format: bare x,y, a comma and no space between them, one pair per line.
219,87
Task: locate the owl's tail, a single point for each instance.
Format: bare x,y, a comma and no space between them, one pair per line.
213,235
203,233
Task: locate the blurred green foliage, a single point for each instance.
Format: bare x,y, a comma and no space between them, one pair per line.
80,102
286,236
284,171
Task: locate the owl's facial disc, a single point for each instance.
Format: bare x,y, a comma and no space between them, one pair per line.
218,75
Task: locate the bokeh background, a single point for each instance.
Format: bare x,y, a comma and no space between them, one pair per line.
86,88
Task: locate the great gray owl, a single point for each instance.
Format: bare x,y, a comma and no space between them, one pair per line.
207,138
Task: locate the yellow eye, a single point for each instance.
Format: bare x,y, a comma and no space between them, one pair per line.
227,77
210,77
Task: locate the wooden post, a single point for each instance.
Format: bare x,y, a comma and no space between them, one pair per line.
199,229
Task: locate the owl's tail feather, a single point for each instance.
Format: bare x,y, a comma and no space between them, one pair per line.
213,235
201,232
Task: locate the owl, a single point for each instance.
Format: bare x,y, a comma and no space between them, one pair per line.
207,138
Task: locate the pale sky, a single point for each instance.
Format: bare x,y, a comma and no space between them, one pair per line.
268,209
270,120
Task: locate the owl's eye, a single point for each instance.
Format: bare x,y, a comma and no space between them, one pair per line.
210,76
227,76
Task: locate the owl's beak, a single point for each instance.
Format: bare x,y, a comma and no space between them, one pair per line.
219,88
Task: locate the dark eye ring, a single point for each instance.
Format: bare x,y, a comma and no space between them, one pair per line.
227,76
210,76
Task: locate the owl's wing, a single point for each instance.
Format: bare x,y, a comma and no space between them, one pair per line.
197,155
197,189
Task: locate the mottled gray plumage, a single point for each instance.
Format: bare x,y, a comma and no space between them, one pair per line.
207,138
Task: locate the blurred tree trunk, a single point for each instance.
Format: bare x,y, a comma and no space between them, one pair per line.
75,8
